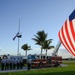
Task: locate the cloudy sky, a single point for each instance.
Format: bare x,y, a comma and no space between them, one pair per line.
35,15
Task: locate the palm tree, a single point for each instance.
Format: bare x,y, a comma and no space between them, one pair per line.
47,45
40,39
26,48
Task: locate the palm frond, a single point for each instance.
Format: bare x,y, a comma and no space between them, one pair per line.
26,47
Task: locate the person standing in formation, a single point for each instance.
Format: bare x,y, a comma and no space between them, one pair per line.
7,63
11,63
29,64
15,61
21,63
14,66
3,64
18,63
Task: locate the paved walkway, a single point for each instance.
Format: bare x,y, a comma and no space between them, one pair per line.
25,68
63,65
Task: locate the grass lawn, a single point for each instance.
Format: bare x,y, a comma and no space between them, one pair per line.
68,70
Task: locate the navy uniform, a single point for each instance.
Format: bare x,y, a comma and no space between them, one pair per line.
15,62
21,63
7,63
18,63
3,63
14,66
29,64
11,63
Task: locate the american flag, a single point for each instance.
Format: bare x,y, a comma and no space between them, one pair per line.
67,34
16,36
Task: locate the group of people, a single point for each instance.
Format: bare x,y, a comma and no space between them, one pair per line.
11,63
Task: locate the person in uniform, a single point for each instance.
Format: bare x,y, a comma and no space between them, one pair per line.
21,63
29,64
12,62
11,65
5,60
14,66
15,61
3,64
7,63
18,63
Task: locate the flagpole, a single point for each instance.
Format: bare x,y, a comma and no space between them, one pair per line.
18,37
18,47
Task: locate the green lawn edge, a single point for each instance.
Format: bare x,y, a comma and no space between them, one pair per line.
67,70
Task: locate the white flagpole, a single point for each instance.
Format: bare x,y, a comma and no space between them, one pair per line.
18,37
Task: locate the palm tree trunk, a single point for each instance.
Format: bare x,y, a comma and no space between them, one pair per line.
41,53
26,52
46,53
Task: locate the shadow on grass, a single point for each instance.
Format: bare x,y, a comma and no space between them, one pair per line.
53,73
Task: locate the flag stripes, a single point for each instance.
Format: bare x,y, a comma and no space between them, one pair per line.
67,35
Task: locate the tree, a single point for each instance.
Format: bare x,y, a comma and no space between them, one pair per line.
26,48
40,38
47,45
